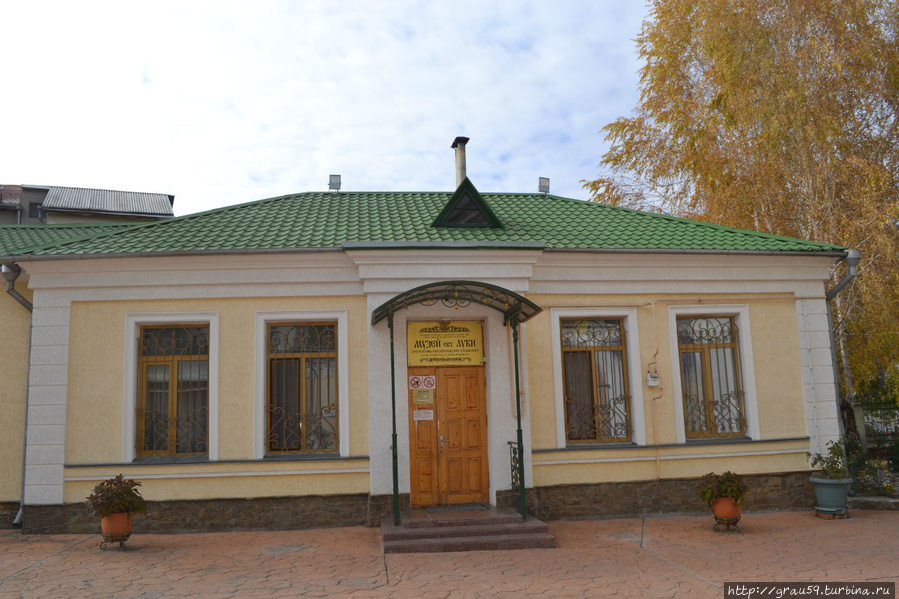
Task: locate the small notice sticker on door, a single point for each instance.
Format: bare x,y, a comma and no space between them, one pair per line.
422,396
423,414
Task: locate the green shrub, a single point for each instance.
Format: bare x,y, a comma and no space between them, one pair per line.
116,496
715,486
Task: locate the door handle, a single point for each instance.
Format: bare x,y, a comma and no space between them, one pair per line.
441,442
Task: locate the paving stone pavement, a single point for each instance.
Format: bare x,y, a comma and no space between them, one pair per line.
629,557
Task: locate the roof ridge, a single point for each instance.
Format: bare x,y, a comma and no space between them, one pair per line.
729,228
160,223
158,193
63,225
697,222
119,228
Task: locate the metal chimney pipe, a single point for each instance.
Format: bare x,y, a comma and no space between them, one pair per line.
459,146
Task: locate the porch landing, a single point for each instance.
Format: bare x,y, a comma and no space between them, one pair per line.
466,528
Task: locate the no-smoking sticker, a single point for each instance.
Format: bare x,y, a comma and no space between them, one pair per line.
422,382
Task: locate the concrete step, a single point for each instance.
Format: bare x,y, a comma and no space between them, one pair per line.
390,532
424,531
475,543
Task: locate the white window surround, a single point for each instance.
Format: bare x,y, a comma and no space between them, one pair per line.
634,367
740,312
263,319
133,323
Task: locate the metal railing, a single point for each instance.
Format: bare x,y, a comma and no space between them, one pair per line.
881,422
517,465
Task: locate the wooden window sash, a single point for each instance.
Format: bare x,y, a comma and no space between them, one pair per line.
173,364
591,351
301,358
704,351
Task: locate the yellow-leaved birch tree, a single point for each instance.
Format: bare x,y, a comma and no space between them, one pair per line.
778,116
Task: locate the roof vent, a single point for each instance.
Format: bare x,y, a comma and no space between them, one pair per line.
543,184
459,147
334,182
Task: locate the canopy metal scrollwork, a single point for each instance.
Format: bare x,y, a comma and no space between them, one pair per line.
460,294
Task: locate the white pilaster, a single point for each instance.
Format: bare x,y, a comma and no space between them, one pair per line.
48,382
818,384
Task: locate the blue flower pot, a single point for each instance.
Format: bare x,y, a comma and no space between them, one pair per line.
831,495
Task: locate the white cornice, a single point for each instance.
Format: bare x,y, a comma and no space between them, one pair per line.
443,256
705,260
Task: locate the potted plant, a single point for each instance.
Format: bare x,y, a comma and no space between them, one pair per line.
724,493
116,500
832,482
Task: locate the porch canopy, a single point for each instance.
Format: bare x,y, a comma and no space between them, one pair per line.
459,294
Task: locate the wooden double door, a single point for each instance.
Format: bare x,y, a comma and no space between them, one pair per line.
448,435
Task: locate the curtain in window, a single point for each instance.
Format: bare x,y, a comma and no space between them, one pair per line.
710,376
302,389
597,399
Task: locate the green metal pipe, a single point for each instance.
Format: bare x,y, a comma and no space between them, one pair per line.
396,479
522,497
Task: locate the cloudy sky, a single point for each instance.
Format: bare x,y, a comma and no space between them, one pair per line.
225,102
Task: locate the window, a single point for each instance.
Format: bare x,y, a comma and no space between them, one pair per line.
595,380
302,394
173,391
709,358
36,210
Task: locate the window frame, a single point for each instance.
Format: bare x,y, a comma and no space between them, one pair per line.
134,322
300,317
634,375
300,359
172,363
36,211
746,366
594,374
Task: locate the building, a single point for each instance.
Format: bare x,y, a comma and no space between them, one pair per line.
38,204
320,358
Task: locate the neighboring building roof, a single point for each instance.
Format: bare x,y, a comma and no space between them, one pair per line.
354,220
13,238
77,199
9,196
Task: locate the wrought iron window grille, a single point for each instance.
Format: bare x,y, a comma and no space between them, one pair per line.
302,388
710,377
595,381
173,397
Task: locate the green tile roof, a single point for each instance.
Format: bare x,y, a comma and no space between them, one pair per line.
16,237
394,219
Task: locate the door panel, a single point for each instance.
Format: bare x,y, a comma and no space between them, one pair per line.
449,453
461,400
423,449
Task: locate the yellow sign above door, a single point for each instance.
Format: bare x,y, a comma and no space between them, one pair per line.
457,343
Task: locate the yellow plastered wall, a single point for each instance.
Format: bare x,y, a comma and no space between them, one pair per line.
15,336
778,379
95,403
228,480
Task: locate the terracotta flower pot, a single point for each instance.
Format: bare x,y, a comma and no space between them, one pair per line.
725,509
116,525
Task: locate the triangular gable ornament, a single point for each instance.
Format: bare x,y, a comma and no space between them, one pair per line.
467,209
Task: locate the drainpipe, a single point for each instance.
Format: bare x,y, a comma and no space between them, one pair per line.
10,273
852,259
